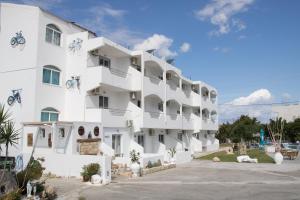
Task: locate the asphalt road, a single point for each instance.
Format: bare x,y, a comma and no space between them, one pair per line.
208,181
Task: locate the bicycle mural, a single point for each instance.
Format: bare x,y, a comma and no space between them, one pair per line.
18,39
75,45
73,82
16,96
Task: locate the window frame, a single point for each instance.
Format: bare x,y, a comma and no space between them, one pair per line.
161,138
102,102
51,69
54,30
104,59
49,112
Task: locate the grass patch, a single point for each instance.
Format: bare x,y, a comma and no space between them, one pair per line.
253,153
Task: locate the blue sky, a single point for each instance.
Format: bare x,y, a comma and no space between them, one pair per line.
238,46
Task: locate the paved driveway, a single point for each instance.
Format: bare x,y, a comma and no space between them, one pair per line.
208,180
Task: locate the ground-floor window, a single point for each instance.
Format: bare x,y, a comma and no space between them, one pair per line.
161,139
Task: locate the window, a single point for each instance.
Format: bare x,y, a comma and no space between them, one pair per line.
161,106
61,132
180,136
103,61
139,103
53,34
49,115
161,139
103,102
29,139
140,139
81,130
51,75
43,131
96,131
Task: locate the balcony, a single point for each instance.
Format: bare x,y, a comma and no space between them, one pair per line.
154,85
154,120
111,117
174,121
187,122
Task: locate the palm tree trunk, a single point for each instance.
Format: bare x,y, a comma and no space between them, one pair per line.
6,153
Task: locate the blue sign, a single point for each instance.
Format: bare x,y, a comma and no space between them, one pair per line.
262,138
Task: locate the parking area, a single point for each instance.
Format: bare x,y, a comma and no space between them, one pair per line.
203,180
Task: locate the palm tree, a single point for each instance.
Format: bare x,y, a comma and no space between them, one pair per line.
4,118
10,135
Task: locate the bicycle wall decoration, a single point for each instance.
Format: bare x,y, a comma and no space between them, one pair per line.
18,39
16,96
75,45
73,82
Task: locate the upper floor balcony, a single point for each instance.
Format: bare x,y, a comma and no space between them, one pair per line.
209,120
115,72
173,114
154,112
209,97
98,110
153,79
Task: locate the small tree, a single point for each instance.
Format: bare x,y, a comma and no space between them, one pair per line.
276,130
4,118
134,156
9,136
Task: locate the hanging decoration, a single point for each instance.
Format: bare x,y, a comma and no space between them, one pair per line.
18,39
75,45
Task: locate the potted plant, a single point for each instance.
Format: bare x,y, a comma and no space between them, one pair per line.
172,152
135,165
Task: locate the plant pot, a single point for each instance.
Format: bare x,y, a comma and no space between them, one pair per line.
86,178
278,158
172,161
135,168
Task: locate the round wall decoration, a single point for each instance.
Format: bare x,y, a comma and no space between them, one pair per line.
96,131
81,130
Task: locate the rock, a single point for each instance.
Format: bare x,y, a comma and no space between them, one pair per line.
96,179
216,159
229,150
49,190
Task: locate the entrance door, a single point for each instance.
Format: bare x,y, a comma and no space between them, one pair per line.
116,144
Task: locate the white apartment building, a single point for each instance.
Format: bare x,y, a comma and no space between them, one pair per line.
71,85
288,111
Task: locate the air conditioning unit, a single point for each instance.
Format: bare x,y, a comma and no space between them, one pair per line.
151,132
129,123
95,52
96,90
168,76
132,95
134,61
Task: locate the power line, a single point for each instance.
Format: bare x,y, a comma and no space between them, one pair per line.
261,104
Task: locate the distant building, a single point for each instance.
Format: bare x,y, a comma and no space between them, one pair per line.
289,112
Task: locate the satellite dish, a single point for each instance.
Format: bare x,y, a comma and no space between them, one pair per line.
170,61
151,51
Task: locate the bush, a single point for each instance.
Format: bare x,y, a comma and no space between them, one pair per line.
89,171
33,171
14,195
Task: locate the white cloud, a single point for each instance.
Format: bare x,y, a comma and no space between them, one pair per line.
185,47
108,22
258,96
253,105
221,49
241,37
220,13
159,42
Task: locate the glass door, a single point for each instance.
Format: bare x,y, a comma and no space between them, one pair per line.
116,144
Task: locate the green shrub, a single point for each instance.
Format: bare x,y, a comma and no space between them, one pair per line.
89,170
14,195
33,171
